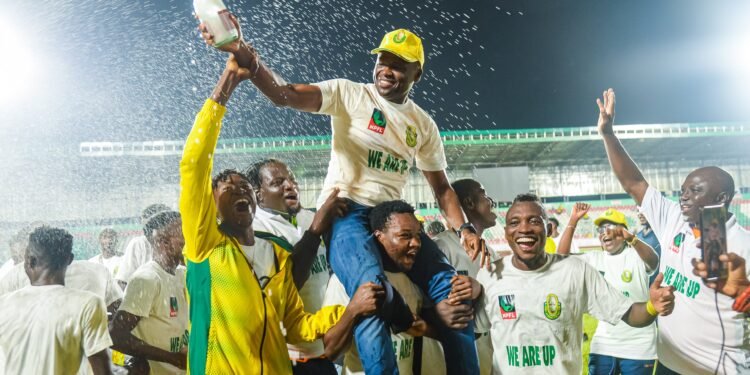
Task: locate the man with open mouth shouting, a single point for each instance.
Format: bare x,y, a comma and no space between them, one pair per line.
534,302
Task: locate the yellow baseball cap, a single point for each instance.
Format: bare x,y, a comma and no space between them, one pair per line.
613,216
419,217
404,44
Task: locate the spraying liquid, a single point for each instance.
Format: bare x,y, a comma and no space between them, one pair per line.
216,17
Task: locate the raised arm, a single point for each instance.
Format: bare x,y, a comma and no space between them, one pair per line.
645,251
302,97
580,209
451,207
622,164
306,249
197,205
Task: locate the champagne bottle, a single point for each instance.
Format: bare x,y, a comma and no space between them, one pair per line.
215,15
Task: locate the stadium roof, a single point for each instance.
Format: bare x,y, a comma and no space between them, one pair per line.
487,148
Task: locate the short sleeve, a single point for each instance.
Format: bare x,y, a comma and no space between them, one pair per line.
431,155
139,295
94,323
603,301
335,293
660,212
113,291
331,91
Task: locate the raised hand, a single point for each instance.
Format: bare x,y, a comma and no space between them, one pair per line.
333,207
620,232
233,47
474,247
606,112
661,297
580,209
735,283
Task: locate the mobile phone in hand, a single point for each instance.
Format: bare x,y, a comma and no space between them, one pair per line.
713,226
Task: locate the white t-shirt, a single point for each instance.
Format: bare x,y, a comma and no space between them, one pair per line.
627,273
262,258
112,263
449,242
6,267
690,339
50,329
375,142
159,299
81,275
314,290
137,253
536,317
403,344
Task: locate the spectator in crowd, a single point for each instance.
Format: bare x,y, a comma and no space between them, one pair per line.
397,232
378,133
280,214
138,251
244,305
434,228
704,334
534,302
152,321
48,327
478,208
550,246
16,247
108,257
626,263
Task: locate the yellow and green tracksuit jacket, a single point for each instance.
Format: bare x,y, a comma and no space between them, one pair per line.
235,326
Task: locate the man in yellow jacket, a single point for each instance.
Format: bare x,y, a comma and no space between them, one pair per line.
244,306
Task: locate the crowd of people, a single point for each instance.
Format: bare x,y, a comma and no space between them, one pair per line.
243,280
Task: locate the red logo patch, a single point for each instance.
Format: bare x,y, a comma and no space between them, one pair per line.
377,122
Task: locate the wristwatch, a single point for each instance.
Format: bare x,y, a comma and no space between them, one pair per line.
468,226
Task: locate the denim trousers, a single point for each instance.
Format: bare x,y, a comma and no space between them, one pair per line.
608,365
355,259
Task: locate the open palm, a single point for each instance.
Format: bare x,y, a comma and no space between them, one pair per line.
606,112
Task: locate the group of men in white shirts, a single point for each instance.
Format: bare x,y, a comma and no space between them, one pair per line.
525,309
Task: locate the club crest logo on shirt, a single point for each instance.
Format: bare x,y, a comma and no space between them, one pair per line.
400,37
552,307
627,276
411,136
377,122
172,307
677,242
507,304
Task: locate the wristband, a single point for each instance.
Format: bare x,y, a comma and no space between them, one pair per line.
468,226
742,302
650,309
633,241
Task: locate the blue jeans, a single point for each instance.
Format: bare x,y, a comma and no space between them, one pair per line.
355,259
606,365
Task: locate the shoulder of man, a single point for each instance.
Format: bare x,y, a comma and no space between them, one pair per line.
276,240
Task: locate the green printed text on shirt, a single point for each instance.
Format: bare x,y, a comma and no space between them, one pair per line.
681,283
403,348
319,265
530,355
390,164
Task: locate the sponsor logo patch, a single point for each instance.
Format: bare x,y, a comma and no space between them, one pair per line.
377,122
507,304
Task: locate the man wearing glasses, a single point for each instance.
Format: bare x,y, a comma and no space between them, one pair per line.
626,263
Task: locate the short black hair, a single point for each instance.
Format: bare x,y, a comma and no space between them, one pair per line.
435,227
225,175
465,188
159,222
153,209
107,232
381,213
554,220
530,197
53,246
253,171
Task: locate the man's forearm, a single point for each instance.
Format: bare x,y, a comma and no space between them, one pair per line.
224,88
566,238
647,254
339,337
303,258
448,202
133,346
638,316
624,167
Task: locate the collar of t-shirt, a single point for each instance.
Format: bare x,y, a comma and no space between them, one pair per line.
291,218
544,267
